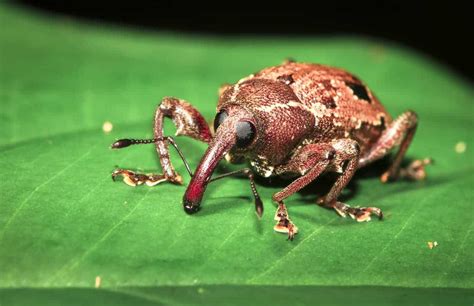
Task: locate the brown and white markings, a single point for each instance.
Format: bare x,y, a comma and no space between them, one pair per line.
295,119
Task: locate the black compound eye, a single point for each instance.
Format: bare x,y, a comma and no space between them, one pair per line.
220,117
245,134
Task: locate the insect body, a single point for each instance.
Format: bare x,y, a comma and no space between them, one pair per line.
294,119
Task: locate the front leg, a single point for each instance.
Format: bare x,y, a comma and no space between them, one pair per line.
133,179
189,122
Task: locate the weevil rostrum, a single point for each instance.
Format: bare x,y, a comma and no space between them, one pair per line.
295,119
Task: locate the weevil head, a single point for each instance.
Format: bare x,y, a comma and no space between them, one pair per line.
280,119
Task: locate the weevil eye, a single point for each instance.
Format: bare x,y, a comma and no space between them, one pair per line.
220,117
245,134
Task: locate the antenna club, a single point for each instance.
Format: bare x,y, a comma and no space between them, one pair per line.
123,143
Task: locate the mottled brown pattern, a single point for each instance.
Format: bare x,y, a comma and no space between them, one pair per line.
319,94
313,82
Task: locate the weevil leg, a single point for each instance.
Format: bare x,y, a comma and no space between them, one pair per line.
310,162
342,156
189,122
399,133
284,224
133,179
249,174
348,153
360,214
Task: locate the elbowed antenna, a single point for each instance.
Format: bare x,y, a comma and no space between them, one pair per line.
123,143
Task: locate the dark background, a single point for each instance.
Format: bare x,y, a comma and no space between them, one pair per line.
442,32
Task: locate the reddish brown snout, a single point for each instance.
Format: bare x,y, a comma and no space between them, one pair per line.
223,141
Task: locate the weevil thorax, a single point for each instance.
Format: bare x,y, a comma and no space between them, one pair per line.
275,111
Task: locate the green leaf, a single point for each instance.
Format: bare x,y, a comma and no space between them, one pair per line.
63,222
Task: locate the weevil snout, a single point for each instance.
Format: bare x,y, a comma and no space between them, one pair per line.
190,207
234,129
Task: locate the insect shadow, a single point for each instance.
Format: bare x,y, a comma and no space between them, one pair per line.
323,184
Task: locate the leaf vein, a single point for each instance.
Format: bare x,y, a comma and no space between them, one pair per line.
407,221
101,240
461,247
27,198
215,252
276,263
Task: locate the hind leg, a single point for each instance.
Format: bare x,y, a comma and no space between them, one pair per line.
399,133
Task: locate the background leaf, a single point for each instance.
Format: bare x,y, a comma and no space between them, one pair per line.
63,222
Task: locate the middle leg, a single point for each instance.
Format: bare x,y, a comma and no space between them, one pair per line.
309,162
346,162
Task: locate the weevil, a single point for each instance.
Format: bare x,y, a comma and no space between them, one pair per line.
297,120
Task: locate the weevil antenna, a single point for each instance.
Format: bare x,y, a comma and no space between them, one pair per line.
123,143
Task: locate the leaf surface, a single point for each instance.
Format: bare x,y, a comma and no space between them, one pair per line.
63,222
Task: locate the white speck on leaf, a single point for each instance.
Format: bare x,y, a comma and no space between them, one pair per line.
98,281
107,127
460,147
433,244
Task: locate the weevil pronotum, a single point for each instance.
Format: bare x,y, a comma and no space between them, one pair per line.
294,119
